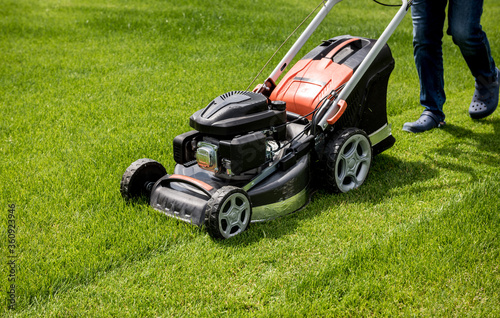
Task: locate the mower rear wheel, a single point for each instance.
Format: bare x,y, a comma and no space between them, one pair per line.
348,159
139,177
228,212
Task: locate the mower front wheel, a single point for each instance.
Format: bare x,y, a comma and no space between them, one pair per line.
139,177
348,159
228,212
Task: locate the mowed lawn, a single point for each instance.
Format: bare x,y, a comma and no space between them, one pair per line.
88,87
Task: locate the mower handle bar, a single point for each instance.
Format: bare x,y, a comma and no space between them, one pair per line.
302,39
351,84
365,64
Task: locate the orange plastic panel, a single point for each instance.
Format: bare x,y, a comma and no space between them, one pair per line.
309,81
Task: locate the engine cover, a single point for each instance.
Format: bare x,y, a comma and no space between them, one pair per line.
236,113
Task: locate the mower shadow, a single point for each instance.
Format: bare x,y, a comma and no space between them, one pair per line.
390,177
387,173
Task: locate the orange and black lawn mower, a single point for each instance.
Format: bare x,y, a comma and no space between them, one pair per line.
256,155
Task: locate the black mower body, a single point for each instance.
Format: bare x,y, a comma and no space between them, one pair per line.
250,149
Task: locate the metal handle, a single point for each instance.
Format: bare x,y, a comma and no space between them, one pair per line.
302,39
377,47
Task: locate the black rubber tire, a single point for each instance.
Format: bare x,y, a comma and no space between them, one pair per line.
138,175
347,160
219,211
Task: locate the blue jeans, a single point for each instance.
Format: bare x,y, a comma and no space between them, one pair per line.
464,25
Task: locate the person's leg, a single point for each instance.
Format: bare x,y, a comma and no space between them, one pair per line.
428,18
464,19
464,25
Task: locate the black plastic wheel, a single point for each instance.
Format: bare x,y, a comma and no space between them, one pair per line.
348,157
138,176
228,212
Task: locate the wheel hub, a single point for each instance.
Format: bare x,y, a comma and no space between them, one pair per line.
353,163
234,215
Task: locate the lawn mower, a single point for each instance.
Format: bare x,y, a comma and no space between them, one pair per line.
257,155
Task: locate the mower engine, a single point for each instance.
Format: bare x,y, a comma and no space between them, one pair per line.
235,136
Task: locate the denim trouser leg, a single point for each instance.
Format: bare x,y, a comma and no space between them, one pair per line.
428,20
464,18
464,26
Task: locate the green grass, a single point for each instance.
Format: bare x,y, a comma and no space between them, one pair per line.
87,87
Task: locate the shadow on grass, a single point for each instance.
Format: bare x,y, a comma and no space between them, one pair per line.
387,173
486,144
